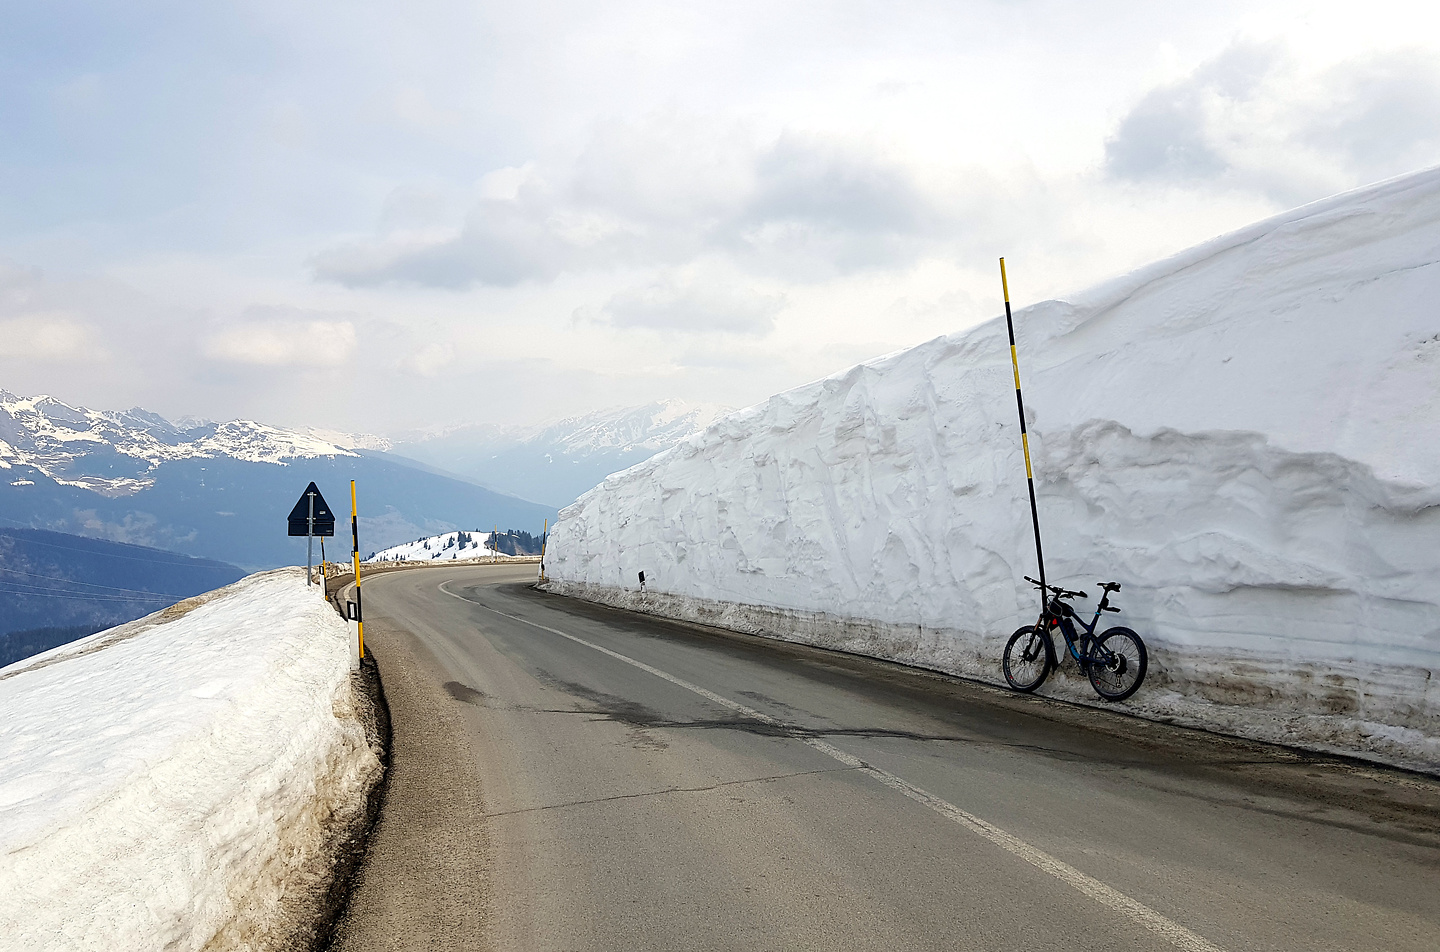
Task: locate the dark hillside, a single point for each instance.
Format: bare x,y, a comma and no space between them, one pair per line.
56,587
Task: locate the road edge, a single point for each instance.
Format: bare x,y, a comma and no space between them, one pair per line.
350,844
388,902
1293,731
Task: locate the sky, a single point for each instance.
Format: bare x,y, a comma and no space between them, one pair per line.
391,217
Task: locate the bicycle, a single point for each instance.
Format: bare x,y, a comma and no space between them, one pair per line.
1115,660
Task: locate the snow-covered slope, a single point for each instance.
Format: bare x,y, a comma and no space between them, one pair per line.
174,783
446,547
1247,435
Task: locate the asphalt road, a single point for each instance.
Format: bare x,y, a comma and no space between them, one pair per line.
571,777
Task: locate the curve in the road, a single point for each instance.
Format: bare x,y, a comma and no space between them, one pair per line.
602,787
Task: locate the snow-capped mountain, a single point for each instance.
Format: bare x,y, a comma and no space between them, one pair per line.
116,453
218,490
556,462
349,441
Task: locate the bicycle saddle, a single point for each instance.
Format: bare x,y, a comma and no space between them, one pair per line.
1110,586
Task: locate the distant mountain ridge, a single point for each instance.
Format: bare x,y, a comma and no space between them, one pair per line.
557,462
115,453
213,489
219,490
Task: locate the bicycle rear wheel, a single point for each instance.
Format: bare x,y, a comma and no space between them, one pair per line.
1117,664
1027,659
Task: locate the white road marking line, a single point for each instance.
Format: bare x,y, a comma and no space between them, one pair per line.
1136,911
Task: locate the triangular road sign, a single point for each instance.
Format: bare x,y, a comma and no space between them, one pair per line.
300,515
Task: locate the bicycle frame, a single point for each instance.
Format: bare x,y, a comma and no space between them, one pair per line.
1081,647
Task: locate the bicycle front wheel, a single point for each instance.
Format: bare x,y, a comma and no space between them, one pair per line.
1027,659
1117,664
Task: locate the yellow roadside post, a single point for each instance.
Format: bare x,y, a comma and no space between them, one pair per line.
355,558
1024,437
544,534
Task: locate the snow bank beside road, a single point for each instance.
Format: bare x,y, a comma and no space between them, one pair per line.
1247,435
175,783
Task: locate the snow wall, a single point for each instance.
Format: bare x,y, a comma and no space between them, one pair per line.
1246,435
180,782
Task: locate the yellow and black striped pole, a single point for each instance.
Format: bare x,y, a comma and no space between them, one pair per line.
355,556
1024,437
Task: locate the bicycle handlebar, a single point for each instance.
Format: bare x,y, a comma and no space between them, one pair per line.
1059,592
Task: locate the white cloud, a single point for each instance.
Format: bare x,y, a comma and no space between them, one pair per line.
692,306
733,198
503,243
48,336
1379,114
283,342
673,190
1254,117
1171,133
429,359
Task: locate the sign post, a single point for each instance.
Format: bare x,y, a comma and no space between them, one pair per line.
311,517
310,543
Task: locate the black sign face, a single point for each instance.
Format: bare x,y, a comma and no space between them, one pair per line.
300,515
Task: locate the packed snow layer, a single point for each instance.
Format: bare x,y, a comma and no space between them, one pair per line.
446,547
174,783
1246,435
